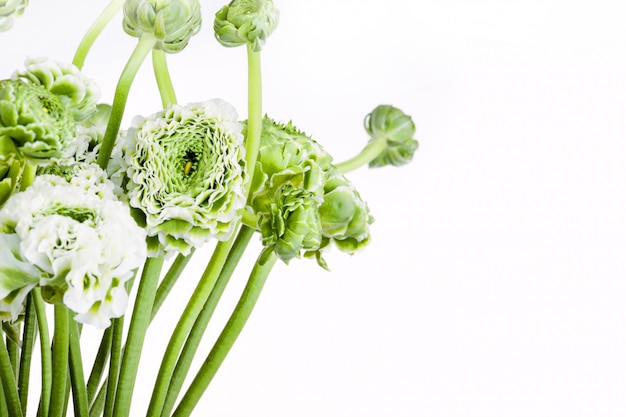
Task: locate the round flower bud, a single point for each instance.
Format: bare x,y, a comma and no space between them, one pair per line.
292,223
34,119
397,129
171,22
10,9
77,92
246,21
344,216
186,173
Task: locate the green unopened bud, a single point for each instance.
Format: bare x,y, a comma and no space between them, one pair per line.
344,215
292,223
171,22
34,119
10,9
246,21
77,92
397,129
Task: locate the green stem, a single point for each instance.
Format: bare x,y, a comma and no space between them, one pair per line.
14,354
255,113
28,343
46,356
100,362
7,377
229,335
136,334
60,360
166,285
97,405
4,412
114,366
185,323
146,42
164,81
199,327
94,31
367,155
79,391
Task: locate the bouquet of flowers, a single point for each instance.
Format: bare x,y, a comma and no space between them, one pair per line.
94,214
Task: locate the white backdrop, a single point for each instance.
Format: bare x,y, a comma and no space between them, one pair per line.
495,281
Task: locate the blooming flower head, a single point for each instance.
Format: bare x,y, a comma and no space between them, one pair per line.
186,173
34,119
171,22
246,22
69,235
10,9
77,92
398,129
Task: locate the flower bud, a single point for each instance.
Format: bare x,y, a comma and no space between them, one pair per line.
10,9
77,92
34,119
292,223
171,22
397,129
246,21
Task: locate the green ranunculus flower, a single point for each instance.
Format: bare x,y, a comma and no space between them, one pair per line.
246,21
186,174
292,224
344,216
34,119
171,22
391,124
10,9
77,92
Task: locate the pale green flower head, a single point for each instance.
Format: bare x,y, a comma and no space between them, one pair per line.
171,22
246,22
10,9
186,173
292,224
34,119
68,235
286,155
11,165
397,129
344,216
77,92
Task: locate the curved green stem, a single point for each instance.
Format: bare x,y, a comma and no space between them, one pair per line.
79,390
60,360
100,361
7,377
136,334
46,356
164,81
229,335
146,42
110,384
94,31
199,327
255,113
368,154
185,323
28,343
166,285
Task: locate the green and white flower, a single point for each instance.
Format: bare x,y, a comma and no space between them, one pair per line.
244,22
397,129
69,235
171,22
186,174
10,9
77,92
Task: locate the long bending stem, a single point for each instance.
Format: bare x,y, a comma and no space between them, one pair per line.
7,377
162,75
146,42
255,112
367,155
229,335
94,31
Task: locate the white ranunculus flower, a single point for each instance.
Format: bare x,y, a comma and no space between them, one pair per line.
80,243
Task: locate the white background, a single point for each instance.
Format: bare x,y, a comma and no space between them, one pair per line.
495,281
